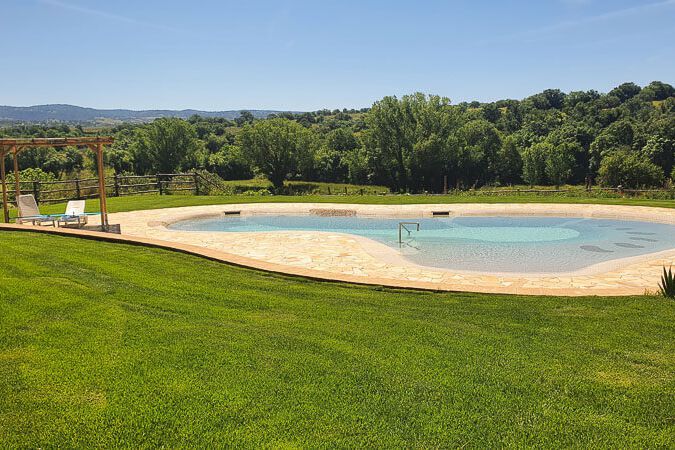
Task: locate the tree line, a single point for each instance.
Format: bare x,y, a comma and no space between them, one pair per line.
415,143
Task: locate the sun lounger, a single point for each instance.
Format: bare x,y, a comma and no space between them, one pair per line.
74,215
30,213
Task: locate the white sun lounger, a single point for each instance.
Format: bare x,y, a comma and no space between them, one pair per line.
74,215
30,213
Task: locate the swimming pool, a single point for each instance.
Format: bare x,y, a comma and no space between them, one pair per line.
486,244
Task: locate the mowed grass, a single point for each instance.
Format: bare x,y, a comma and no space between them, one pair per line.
139,202
105,345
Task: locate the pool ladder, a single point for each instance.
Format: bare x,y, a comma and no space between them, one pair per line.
402,226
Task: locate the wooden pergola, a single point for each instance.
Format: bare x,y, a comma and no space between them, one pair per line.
14,146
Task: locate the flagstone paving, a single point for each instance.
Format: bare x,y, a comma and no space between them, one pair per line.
357,259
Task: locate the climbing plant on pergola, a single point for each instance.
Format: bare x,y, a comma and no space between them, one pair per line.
14,146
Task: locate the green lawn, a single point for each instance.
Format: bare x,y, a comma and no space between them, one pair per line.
105,345
137,202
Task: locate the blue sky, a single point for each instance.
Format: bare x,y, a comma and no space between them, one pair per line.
307,55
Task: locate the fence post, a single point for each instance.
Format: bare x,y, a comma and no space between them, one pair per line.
116,179
196,176
159,184
78,191
36,191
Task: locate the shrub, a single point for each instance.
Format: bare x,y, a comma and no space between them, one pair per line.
35,174
667,286
629,169
257,193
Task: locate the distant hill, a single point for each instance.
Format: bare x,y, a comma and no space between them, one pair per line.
78,114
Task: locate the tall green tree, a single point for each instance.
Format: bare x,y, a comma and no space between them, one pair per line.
278,148
330,160
481,142
509,163
167,145
409,142
534,163
559,163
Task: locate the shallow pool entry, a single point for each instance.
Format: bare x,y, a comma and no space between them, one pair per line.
485,244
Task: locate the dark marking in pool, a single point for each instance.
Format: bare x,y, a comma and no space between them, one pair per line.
641,233
624,228
644,239
595,248
627,245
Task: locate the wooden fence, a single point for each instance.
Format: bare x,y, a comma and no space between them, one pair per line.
116,186
198,184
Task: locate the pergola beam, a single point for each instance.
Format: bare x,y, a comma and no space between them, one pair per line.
16,145
55,142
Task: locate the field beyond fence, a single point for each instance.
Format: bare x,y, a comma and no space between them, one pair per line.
205,183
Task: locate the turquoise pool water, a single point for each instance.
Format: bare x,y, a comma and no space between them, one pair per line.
492,244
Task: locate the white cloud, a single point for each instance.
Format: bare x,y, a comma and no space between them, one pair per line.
108,15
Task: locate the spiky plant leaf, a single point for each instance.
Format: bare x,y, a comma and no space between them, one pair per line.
667,285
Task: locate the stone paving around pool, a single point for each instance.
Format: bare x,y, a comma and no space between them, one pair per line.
350,258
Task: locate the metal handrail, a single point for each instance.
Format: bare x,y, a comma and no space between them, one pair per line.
402,226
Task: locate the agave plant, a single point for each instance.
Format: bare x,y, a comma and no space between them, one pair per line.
667,285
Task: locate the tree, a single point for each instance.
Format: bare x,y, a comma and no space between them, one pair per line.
656,90
550,98
166,145
388,142
619,134
625,91
626,168
229,164
120,156
480,142
409,143
491,112
660,151
534,163
330,159
341,140
279,148
509,163
244,118
359,170
559,163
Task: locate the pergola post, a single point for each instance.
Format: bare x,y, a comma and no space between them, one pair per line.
101,186
17,185
5,206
